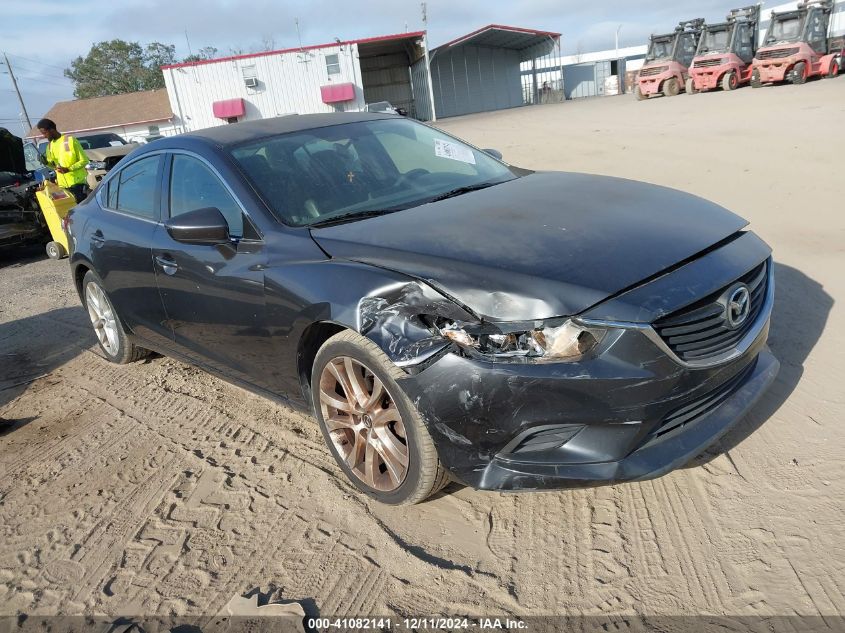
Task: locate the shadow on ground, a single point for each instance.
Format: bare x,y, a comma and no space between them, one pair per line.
34,346
799,317
20,255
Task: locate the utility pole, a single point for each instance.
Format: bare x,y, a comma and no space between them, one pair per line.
18,92
427,61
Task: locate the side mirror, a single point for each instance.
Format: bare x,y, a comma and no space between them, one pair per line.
202,226
494,153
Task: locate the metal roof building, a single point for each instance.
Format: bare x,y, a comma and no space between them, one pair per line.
480,71
339,77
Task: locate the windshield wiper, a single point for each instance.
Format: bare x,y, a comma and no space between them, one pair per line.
461,191
352,216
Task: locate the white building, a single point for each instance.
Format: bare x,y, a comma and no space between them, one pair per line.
342,76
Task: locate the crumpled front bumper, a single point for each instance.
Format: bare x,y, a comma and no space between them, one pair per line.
611,408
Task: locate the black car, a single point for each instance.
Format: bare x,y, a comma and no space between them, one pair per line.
21,221
444,315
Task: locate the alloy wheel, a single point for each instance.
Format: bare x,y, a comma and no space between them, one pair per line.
364,423
102,318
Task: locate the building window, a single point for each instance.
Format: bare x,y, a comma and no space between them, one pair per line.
332,65
250,76
153,130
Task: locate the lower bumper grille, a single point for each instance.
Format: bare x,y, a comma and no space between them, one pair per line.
703,405
704,330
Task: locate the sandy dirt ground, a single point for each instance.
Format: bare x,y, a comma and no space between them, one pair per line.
157,488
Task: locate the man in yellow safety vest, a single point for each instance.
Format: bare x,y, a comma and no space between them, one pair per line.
66,156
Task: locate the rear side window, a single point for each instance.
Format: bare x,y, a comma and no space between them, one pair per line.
194,186
136,187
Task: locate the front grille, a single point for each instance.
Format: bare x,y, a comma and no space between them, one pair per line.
701,331
655,70
706,63
778,53
703,405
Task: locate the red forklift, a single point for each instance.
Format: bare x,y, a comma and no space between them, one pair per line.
725,52
800,44
667,61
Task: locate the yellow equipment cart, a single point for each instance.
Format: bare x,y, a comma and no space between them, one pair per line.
55,204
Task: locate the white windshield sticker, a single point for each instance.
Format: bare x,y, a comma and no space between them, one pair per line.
115,143
445,149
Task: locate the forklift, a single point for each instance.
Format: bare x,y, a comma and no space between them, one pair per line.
667,61
726,52
800,44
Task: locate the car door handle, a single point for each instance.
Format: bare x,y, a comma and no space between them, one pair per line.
98,238
167,265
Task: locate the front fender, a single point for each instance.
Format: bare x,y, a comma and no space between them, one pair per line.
389,308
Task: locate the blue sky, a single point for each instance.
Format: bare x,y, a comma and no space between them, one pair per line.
42,36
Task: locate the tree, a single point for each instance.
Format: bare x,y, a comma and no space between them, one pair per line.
118,67
206,52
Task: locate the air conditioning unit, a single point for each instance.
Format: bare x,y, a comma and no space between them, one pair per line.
251,82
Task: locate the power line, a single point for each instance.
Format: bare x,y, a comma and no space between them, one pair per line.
35,61
17,90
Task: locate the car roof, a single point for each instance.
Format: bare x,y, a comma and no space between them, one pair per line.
227,135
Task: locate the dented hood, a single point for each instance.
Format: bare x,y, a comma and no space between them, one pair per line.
544,245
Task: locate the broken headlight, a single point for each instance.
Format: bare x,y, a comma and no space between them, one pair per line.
566,341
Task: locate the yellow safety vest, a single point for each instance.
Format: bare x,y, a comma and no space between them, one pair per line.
66,152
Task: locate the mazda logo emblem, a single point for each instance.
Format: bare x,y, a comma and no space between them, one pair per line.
739,305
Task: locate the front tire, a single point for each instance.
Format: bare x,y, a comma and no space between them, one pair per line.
639,94
799,73
371,427
756,80
671,87
834,70
730,81
690,87
108,329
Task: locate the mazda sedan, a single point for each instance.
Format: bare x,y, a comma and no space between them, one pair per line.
445,316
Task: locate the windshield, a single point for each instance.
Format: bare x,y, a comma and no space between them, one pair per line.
784,30
98,141
94,141
661,48
714,40
364,168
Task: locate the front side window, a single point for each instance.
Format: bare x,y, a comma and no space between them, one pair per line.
714,41
136,188
387,165
194,186
660,48
332,65
784,30
686,48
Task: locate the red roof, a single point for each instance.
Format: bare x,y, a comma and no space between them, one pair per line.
366,40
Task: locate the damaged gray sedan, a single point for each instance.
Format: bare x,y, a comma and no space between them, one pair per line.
444,315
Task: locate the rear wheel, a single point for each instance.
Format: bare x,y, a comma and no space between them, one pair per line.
671,87
799,73
690,87
55,250
756,81
834,69
371,427
730,81
107,326
639,94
